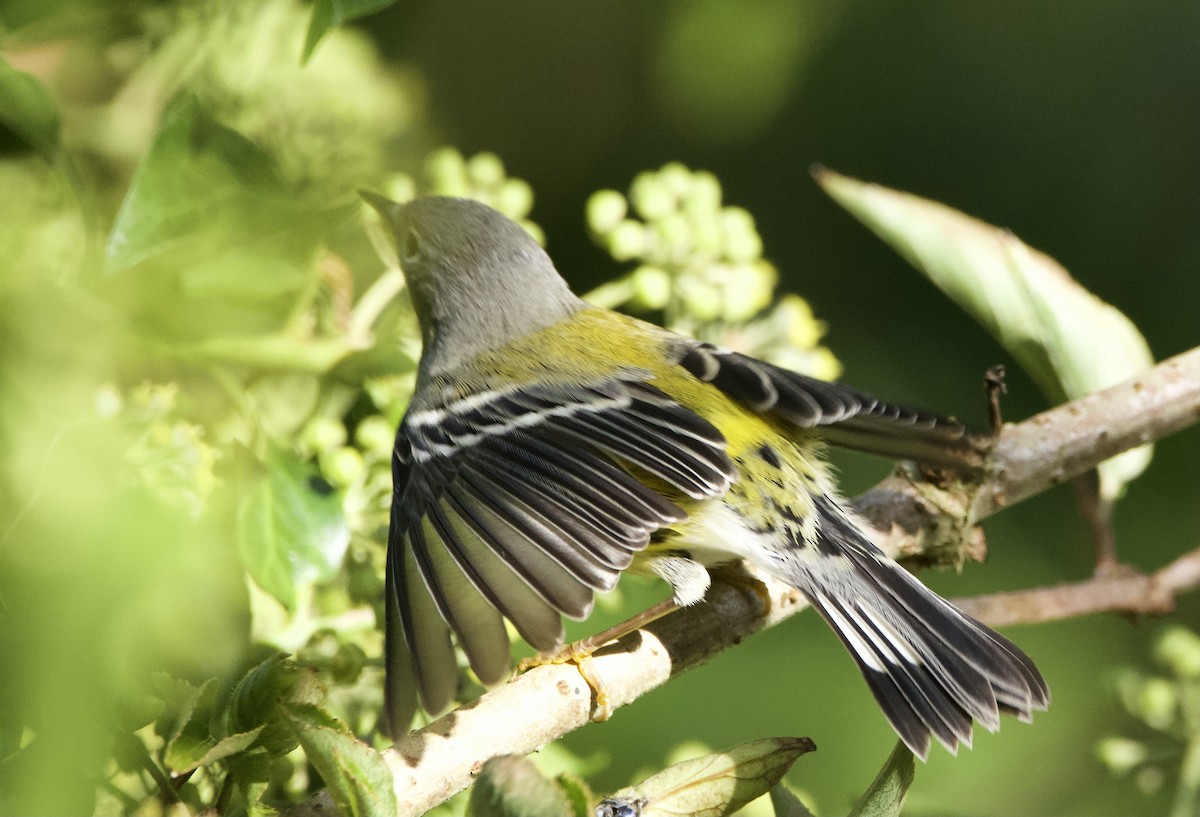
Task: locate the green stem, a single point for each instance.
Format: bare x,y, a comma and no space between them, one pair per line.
1189,781
374,300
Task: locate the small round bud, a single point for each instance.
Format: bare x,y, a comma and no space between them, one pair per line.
322,434
1156,702
342,465
447,172
675,179
485,170
747,292
400,187
627,240
375,434
514,198
651,287
701,299
742,242
704,193
674,236
1121,755
539,235
348,663
650,197
605,210
1179,649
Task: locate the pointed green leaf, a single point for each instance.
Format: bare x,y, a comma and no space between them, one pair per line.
885,796
28,115
786,804
578,793
511,786
329,14
185,756
716,784
291,528
190,713
356,775
1069,341
262,696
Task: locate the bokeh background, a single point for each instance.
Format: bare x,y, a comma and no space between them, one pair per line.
1076,126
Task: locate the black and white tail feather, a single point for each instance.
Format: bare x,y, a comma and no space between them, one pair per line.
932,668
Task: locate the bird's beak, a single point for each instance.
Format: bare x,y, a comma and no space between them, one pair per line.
386,207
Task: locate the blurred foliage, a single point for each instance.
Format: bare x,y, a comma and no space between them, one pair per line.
1162,751
205,348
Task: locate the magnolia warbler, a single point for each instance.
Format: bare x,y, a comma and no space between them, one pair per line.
551,445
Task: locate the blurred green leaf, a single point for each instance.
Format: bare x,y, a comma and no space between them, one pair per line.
329,14
716,784
28,115
1069,341
885,796
511,786
787,804
579,793
291,528
356,775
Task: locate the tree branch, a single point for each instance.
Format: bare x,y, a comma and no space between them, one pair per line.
913,515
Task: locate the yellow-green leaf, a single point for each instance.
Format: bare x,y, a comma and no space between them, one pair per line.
1068,340
713,785
885,796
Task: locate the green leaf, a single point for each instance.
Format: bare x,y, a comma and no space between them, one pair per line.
184,756
578,793
885,796
291,528
356,775
28,115
329,14
716,784
188,718
262,696
1069,341
786,804
511,786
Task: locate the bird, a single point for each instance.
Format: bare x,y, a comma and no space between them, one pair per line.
551,445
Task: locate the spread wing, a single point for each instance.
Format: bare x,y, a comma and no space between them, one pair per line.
844,415
521,504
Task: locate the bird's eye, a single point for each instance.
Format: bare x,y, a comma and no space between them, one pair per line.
410,248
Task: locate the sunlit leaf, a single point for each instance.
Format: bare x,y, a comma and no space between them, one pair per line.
329,14
716,784
787,804
28,115
356,775
291,528
511,786
885,796
184,756
1069,341
190,710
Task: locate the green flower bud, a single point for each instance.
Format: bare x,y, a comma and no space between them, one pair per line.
651,287
605,210
627,240
676,180
674,236
704,194
539,235
348,663
375,434
447,172
321,434
701,299
650,197
1179,649
1121,755
485,170
400,187
514,198
1156,702
742,242
748,291
342,465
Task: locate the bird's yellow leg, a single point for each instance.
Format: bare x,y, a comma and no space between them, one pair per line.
580,652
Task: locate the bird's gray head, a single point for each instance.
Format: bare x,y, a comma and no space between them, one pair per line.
477,279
